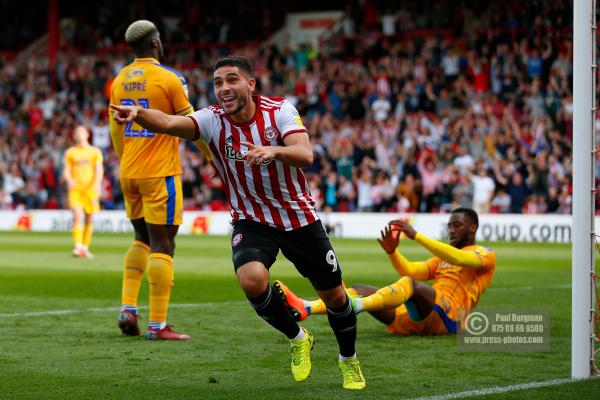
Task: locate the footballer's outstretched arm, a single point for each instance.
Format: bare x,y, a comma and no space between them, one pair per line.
450,254
155,121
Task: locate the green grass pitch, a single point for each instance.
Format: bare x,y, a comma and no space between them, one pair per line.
233,354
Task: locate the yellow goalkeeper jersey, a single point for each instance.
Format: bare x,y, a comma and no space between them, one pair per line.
463,285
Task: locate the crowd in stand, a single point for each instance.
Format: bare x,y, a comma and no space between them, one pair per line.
402,117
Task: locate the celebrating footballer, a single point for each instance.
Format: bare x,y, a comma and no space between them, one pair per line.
258,145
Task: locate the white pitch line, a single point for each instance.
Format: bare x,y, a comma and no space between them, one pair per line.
111,309
498,389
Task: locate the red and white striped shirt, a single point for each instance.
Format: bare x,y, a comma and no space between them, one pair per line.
271,193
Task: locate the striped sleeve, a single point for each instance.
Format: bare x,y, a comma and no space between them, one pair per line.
202,120
288,120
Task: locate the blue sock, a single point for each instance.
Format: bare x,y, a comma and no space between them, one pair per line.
413,313
157,325
131,309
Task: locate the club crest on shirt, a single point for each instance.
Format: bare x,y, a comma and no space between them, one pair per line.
270,133
236,239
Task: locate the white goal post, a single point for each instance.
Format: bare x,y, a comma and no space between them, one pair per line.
583,251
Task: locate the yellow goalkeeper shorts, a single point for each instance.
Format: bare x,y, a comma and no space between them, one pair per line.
442,320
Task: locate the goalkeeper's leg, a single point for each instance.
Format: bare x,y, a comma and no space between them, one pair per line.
381,303
418,297
301,308
385,316
391,296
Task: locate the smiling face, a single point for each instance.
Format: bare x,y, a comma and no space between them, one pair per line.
461,230
233,89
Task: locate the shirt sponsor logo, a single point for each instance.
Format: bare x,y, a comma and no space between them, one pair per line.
235,155
232,153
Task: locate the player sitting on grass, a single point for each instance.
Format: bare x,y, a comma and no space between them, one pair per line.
460,271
